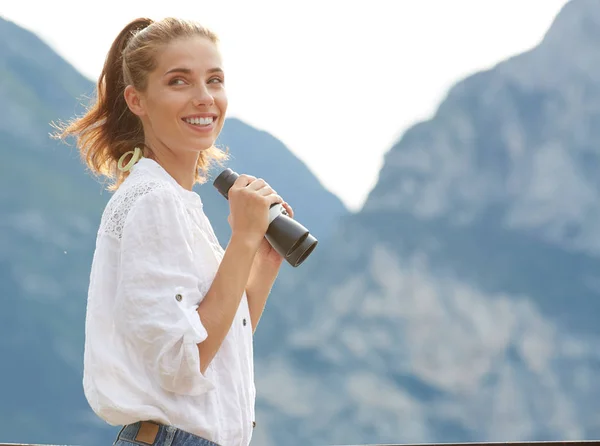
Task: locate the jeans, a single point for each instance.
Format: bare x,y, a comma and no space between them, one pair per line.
147,434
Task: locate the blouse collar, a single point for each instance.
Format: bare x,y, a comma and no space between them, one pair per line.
156,169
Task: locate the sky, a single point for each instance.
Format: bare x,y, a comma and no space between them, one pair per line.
337,81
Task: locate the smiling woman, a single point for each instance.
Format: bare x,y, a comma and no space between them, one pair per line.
171,314
183,101
159,93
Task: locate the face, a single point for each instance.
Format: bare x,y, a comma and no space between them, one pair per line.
184,105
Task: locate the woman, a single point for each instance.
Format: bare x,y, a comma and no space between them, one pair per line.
170,316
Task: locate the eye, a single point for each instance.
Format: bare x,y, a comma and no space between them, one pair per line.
216,80
176,81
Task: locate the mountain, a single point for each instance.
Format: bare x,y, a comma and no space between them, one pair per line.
461,303
50,209
258,153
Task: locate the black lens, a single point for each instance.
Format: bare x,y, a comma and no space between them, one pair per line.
224,181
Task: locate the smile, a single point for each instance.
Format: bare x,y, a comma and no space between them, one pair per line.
200,121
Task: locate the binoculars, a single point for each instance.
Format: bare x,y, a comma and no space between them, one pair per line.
288,237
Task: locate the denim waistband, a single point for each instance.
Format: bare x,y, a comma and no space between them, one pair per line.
149,433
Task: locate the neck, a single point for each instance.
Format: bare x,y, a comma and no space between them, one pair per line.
182,167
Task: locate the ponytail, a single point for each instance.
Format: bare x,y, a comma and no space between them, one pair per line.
109,128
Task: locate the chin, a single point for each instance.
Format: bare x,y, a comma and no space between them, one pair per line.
205,145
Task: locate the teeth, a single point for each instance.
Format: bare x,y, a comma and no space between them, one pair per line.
199,121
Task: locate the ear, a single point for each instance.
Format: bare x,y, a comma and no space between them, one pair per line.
134,100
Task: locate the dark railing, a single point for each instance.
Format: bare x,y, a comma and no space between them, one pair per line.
503,443
500,443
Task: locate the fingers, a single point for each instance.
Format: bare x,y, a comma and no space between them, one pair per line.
289,209
261,187
252,183
267,190
243,180
274,198
257,184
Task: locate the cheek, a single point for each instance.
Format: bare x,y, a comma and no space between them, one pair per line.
221,100
166,109
166,102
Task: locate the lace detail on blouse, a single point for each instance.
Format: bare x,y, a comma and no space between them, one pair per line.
117,210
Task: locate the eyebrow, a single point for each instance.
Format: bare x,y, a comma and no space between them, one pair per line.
188,71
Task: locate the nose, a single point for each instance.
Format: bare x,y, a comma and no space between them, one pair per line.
203,97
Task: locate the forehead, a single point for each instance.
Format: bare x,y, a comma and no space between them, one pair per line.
195,53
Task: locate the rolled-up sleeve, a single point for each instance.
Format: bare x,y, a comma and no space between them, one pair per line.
159,291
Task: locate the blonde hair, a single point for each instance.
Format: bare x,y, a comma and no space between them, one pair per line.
109,129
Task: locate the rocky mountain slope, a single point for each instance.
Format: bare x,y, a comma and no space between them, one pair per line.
461,303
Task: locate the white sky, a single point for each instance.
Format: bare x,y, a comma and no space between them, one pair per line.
337,81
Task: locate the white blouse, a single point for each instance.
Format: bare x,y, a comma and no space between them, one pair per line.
156,256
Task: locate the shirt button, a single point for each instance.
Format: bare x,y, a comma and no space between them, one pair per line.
244,322
254,424
178,297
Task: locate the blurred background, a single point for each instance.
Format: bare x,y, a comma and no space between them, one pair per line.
445,153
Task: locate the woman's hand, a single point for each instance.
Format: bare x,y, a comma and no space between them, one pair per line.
249,202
